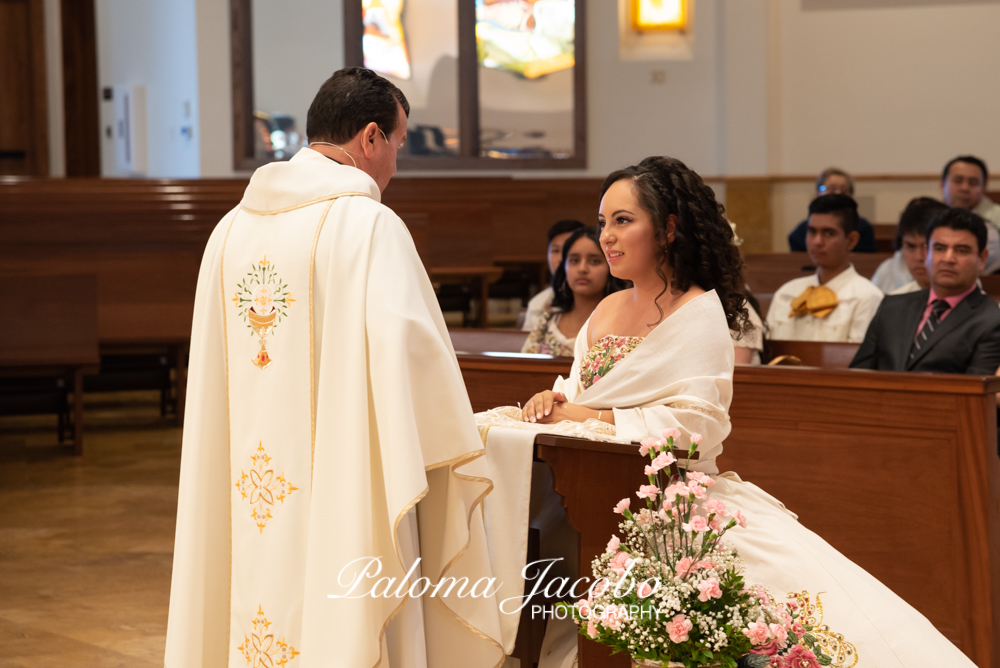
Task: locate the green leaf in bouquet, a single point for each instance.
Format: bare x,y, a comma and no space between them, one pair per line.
823,659
754,661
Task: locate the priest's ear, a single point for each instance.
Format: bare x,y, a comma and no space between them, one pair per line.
852,240
369,135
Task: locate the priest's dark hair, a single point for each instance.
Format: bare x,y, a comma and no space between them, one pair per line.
562,293
915,217
842,206
348,101
703,252
959,219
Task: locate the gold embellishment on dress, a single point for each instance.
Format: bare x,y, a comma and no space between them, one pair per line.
263,487
715,414
842,653
262,300
260,649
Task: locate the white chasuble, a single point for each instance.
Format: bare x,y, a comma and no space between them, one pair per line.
328,428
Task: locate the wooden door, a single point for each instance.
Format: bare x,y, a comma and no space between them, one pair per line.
24,146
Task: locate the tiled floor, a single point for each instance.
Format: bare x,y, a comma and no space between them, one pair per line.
86,543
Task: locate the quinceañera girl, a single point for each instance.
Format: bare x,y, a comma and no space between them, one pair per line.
659,356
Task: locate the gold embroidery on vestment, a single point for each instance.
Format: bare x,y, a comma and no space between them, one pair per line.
261,487
260,649
262,300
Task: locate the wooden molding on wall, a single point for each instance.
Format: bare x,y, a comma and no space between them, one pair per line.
80,89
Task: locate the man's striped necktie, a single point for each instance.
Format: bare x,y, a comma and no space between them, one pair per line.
933,320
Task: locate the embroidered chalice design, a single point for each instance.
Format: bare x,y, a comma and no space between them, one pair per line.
262,315
263,300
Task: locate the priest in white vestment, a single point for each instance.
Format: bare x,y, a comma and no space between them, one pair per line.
836,303
326,417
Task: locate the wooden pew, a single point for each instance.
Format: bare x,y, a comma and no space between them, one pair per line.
766,272
50,329
474,341
823,354
897,471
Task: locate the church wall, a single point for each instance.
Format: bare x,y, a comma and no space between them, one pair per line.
152,43
885,86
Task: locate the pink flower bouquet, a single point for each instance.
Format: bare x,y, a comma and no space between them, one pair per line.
668,589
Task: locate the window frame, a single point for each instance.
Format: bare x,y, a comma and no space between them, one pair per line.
241,22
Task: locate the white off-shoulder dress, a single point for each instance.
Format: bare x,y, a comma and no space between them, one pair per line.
681,375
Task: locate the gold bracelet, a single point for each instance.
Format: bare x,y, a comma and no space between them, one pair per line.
599,415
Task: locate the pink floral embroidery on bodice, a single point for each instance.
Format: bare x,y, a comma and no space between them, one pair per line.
603,356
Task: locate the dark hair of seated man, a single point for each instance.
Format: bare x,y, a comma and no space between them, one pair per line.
960,219
915,217
842,206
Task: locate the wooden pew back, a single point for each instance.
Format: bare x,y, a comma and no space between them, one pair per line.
824,354
766,272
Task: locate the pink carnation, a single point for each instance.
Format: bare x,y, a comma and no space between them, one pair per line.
620,563
698,491
700,478
677,489
598,587
678,628
672,433
704,563
663,460
757,632
709,589
592,628
646,444
613,544
740,518
761,594
696,439
644,590
698,524
623,506
684,566
651,470
647,491
717,524
583,605
716,507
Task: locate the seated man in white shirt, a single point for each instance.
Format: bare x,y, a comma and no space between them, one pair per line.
905,271
963,186
835,303
540,303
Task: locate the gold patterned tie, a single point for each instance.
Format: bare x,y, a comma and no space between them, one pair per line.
816,300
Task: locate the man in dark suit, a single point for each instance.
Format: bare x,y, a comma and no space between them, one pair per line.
951,327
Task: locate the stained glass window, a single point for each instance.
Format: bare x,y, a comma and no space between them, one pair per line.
383,42
531,38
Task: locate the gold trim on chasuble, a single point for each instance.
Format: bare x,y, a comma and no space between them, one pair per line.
257,648
261,650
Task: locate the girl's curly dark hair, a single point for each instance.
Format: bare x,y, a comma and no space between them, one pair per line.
562,297
703,252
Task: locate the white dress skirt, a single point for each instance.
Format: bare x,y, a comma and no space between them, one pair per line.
680,376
